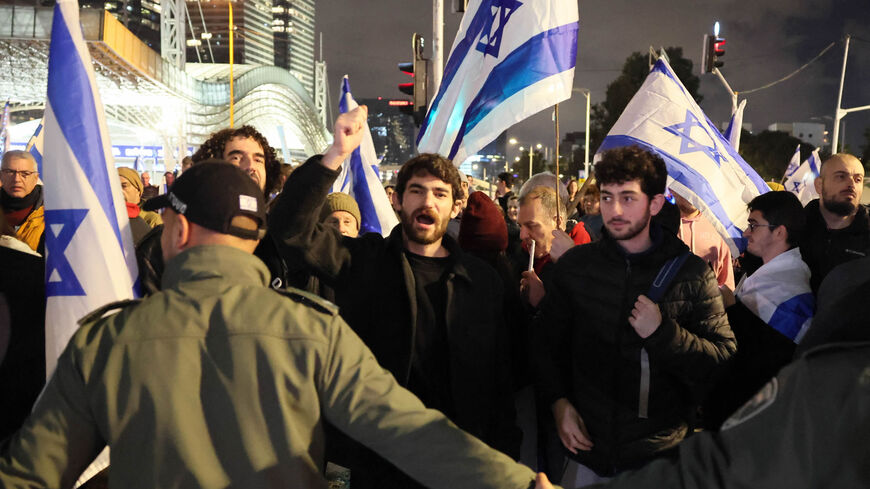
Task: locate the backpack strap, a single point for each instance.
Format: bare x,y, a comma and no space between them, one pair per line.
665,276
657,290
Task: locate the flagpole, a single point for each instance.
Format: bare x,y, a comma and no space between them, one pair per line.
232,97
556,120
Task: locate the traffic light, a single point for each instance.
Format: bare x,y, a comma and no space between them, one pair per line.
714,49
417,88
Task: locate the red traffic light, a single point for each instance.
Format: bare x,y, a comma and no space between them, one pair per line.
407,68
407,88
719,46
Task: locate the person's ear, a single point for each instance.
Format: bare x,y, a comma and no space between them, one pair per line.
181,232
656,204
457,206
817,183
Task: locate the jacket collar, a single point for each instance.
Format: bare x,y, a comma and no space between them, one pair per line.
215,261
815,220
396,245
664,244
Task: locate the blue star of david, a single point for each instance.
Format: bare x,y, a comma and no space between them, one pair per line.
490,41
689,145
61,279
797,186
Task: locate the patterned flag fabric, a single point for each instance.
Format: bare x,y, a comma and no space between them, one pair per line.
779,293
793,164
360,178
4,129
89,248
34,146
702,166
510,60
801,181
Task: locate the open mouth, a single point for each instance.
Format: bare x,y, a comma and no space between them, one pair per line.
425,219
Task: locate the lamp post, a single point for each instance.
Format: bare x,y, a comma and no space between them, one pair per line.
514,141
586,93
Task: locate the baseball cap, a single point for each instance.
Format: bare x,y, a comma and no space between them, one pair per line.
211,193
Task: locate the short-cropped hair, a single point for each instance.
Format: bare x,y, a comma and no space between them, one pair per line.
17,153
782,208
431,164
547,196
629,163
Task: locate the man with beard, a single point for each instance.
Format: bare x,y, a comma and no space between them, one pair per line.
430,313
838,227
619,370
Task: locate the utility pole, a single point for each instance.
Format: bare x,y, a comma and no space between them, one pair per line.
437,44
841,112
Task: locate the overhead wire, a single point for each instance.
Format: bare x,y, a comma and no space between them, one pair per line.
786,77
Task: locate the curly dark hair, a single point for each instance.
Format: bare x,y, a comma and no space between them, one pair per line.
214,148
628,163
432,164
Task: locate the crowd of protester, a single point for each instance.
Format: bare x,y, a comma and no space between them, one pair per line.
587,330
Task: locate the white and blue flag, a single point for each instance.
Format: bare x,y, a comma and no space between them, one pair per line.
360,178
34,146
793,164
664,119
510,60
89,248
779,294
5,138
801,181
735,127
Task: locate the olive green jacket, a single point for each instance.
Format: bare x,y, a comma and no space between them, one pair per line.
807,428
218,381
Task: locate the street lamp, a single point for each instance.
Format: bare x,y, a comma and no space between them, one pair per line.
586,93
514,141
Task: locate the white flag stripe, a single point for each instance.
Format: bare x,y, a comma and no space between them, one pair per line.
505,53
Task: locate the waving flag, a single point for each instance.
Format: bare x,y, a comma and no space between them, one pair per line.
793,164
4,129
34,146
510,60
89,248
800,181
735,127
360,179
702,166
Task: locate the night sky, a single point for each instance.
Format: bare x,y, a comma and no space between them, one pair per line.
766,40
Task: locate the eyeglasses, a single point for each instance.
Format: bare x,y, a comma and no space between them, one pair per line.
753,225
12,173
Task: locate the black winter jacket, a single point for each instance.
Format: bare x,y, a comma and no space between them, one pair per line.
823,249
374,289
589,353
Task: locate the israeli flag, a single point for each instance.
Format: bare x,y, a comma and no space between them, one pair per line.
801,181
89,248
34,146
779,294
735,127
702,166
510,60
793,164
360,178
4,129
